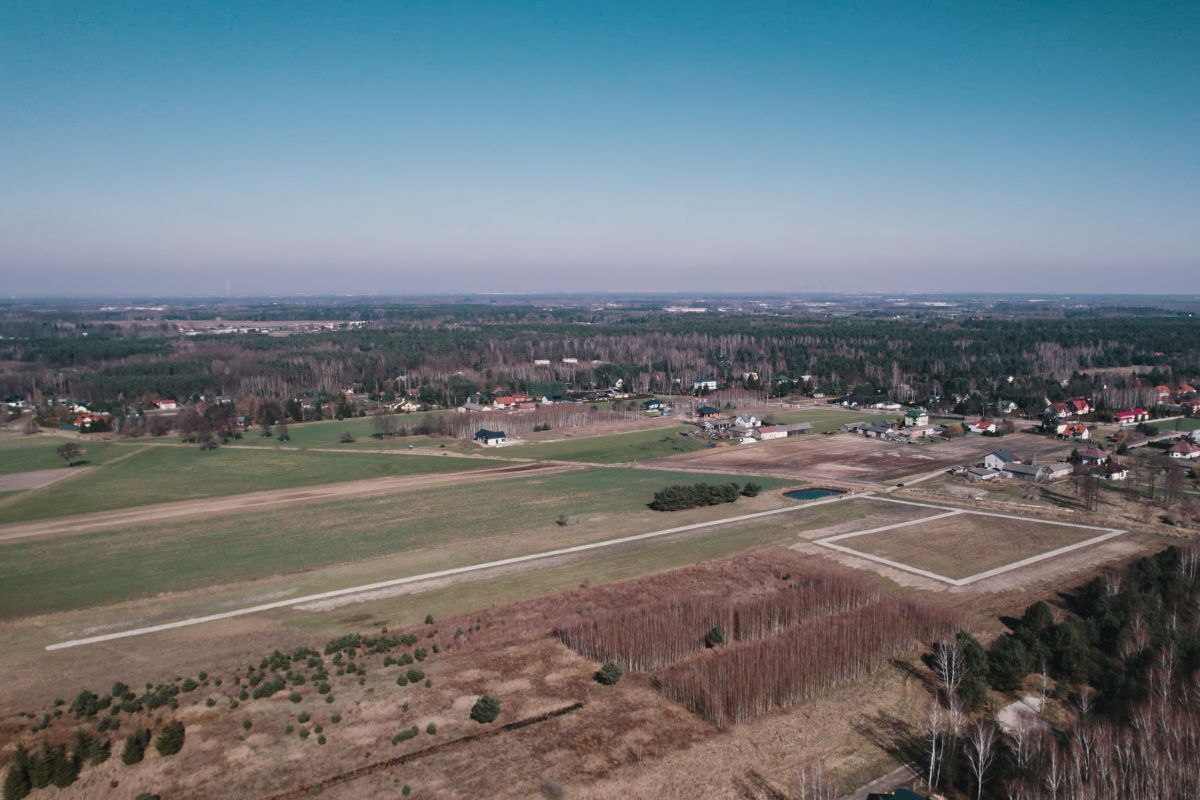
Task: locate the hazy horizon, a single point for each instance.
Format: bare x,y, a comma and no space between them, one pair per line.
427,148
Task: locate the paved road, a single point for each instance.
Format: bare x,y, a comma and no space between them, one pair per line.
183,623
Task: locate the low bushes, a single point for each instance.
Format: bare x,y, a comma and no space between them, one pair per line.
680,497
486,709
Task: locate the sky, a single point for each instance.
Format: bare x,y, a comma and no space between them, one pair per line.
175,148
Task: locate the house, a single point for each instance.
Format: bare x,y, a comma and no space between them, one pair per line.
768,432
1195,436
888,405
716,424
551,399
999,459
167,405
490,438
746,438
1073,430
1186,389
1112,471
1092,456
921,431
797,428
570,361
705,384
16,402
916,417
1058,410
1163,392
525,405
1007,407
1058,469
1039,472
983,474
708,411
225,400
505,401
1131,417
877,430
1184,449
746,421
653,404
541,362
982,426
1079,406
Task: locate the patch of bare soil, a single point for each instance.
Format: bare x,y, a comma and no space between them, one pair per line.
36,479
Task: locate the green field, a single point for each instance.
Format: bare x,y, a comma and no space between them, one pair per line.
427,529
1181,424
328,433
613,448
825,420
162,474
30,453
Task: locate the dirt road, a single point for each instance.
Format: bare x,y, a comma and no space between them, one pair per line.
255,501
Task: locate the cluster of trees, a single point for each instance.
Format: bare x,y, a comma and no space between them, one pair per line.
682,496
663,633
748,679
1124,661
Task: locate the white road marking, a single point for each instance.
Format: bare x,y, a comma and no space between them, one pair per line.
183,623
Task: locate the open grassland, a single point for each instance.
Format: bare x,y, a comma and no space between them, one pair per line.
29,453
967,544
163,474
826,419
328,433
613,448
431,529
1181,424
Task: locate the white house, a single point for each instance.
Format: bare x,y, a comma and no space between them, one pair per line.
570,361
747,421
490,438
916,417
1184,449
167,405
704,384
888,405
982,426
541,362
999,459
768,432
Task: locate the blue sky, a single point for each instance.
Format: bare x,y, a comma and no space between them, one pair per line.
169,147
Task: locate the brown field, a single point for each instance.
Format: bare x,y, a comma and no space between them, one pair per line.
849,457
967,544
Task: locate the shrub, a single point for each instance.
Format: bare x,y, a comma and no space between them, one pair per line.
304,733
328,698
170,738
751,490
714,637
609,674
486,709
135,747
304,716
414,675
321,739
680,497
247,724
431,729
405,735
429,619
428,682
336,718
17,783
401,680
189,685
295,697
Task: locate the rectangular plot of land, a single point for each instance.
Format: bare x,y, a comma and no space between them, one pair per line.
959,546
967,544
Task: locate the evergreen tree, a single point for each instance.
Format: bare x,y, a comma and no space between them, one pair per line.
170,738
135,747
17,783
486,709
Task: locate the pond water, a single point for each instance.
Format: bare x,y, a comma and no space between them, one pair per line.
812,494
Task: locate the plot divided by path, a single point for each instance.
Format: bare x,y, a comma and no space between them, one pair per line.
562,551
832,542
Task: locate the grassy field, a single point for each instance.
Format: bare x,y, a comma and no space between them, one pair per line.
1181,424
328,433
431,529
613,448
965,545
824,420
161,474
29,453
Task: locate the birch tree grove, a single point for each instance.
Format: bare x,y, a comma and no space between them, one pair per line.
749,679
652,637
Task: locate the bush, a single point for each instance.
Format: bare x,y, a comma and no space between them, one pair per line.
17,783
714,637
414,675
295,697
405,735
135,747
304,717
609,674
247,724
429,619
486,709
170,738
431,729
336,718
751,490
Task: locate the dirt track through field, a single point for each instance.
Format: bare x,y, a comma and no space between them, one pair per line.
258,501
547,554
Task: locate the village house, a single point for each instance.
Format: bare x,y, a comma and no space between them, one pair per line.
1058,410
1039,472
982,426
916,417
1079,406
1073,430
1007,407
167,405
999,459
1184,449
708,411
1112,471
983,474
705,384
768,432
1092,456
747,421
490,438
1163,392
878,430
1131,417
652,405
888,405
541,362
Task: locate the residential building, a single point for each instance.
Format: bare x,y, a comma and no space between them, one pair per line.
916,417
982,426
1058,410
1092,456
747,421
1184,449
1079,406
999,459
490,438
1131,417
1073,430
708,411
705,384
653,404
1112,471
983,474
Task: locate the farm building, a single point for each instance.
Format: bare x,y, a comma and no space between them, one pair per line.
768,432
1039,472
999,459
916,418
490,438
983,474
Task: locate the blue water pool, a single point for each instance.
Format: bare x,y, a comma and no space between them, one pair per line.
812,494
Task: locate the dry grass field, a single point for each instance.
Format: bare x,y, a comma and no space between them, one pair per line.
849,457
967,544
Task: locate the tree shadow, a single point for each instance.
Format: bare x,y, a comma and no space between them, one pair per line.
910,670
894,736
754,786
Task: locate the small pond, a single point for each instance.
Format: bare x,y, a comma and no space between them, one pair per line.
812,494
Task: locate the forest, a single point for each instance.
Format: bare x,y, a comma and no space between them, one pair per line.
442,354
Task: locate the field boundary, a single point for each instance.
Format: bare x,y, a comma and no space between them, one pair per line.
830,542
579,548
